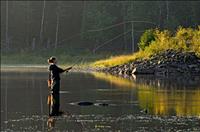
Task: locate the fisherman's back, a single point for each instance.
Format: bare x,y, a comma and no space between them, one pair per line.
55,72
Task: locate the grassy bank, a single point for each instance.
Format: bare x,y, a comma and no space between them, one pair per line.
184,39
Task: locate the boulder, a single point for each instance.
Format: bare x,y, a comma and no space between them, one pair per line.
142,71
169,62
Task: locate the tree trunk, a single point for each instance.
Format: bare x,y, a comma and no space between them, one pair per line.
33,44
57,27
28,23
48,43
42,24
167,6
132,28
167,13
124,26
161,21
7,37
133,37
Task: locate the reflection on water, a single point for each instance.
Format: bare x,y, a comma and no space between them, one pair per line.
142,103
178,96
169,102
118,81
51,123
24,68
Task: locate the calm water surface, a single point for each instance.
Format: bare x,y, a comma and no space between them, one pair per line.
142,103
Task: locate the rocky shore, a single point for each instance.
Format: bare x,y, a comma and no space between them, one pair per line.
169,62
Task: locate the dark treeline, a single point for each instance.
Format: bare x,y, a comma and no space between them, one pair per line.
94,26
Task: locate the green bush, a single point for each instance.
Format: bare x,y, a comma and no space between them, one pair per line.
155,41
147,37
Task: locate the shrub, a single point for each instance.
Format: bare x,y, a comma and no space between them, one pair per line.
154,41
147,37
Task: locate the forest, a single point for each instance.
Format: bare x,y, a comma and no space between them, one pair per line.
88,27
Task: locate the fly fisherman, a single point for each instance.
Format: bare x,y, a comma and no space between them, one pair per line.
54,85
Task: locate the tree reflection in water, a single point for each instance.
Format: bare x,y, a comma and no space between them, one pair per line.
178,96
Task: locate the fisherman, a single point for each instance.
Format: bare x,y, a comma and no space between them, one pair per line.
54,85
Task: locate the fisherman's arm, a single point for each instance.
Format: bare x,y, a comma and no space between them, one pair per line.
60,70
69,68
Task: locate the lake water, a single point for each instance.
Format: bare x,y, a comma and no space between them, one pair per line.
141,103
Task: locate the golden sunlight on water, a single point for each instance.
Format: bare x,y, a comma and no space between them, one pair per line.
118,81
159,97
173,101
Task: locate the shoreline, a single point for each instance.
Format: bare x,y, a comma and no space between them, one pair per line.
166,63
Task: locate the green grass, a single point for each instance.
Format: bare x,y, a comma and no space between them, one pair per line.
185,39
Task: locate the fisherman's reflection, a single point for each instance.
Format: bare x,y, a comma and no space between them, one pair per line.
51,123
54,104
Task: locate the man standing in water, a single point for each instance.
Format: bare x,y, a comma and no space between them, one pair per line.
54,85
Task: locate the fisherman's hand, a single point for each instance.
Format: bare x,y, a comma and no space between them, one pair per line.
69,68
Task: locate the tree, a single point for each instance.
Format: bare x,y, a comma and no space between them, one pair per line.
97,17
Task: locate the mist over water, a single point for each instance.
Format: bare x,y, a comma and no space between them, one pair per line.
135,104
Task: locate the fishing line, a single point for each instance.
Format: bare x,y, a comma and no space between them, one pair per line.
99,46
109,27
106,28
109,41
77,61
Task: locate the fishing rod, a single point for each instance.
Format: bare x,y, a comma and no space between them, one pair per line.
96,48
74,64
77,62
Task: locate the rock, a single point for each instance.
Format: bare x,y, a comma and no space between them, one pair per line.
193,66
121,72
169,62
128,71
180,70
161,66
85,103
133,71
161,71
101,104
142,71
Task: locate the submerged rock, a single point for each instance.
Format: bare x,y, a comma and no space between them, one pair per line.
141,70
85,103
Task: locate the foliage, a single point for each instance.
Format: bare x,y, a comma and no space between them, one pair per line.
96,16
77,17
147,37
185,39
